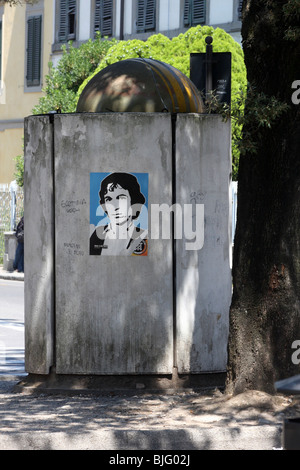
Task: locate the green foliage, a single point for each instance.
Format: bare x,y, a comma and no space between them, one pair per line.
262,111
63,81
176,52
19,171
291,13
19,2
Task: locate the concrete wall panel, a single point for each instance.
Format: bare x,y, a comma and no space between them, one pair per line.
39,244
113,313
203,162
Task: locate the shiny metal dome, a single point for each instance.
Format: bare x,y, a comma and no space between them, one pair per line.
140,85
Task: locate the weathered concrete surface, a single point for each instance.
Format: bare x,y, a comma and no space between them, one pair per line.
10,244
203,161
39,244
175,421
114,313
217,438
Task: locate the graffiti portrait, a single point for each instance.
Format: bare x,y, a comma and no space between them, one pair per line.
118,214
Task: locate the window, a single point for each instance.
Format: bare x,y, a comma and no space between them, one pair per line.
194,12
146,12
67,20
34,35
103,17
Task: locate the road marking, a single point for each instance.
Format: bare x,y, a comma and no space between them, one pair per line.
12,361
10,283
11,325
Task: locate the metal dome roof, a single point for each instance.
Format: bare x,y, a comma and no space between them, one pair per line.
140,85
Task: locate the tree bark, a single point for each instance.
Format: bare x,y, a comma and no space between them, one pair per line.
265,310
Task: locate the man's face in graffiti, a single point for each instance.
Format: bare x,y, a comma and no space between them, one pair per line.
117,204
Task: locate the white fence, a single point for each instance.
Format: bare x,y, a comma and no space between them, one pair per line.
234,207
11,210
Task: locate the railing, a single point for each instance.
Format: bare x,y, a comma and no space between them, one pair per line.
11,210
234,207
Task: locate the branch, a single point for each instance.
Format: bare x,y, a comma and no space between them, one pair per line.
17,2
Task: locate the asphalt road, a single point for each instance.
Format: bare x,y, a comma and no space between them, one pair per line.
11,327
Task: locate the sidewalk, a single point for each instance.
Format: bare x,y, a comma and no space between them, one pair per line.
167,421
188,420
11,276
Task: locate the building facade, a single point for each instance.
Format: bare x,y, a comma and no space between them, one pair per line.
79,20
26,34
31,35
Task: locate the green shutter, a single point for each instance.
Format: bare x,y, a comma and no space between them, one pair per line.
63,21
34,37
146,15
107,18
97,16
140,15
103,17
67,20
187,10
150,14
240,6
194,12
199,13
71,19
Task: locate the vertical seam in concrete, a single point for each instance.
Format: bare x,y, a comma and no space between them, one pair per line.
174,260
51,119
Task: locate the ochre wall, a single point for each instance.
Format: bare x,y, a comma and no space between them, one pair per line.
18,103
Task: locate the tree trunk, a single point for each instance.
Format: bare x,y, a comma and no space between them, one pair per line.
265,310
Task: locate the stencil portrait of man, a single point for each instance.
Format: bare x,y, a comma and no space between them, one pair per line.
122,201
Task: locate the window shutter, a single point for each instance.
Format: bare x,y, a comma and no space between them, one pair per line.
194,12
72,7
150,15
240,6
198,15
107,18
34,51
146,15
141,15
97,17
187,10
103,17
71,19
67,20
36,66
63,21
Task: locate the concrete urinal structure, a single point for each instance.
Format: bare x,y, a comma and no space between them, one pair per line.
99,315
